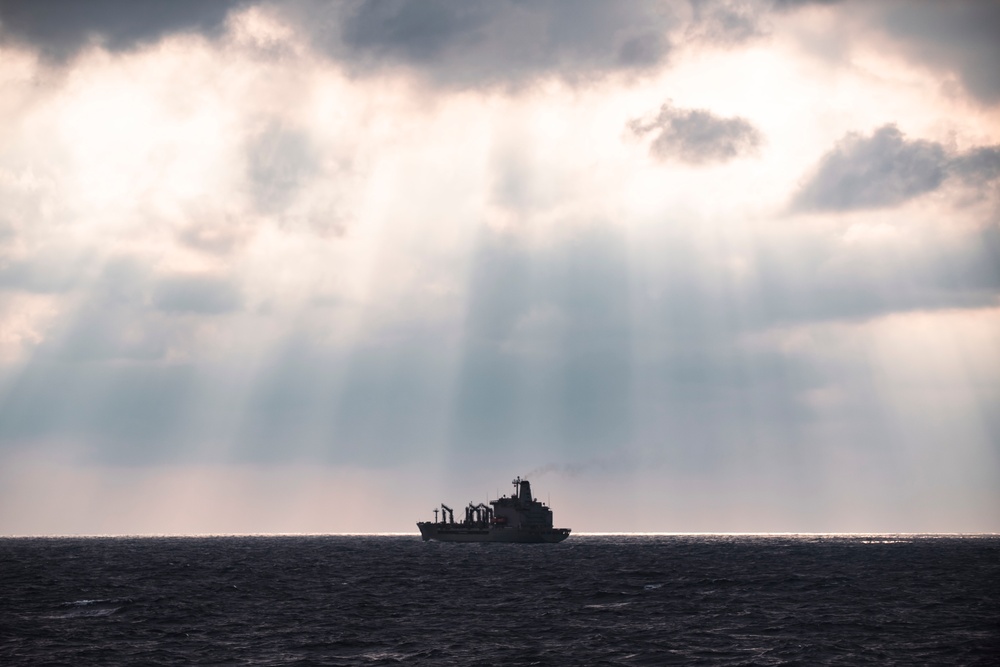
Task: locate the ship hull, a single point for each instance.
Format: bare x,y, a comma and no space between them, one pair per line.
459,533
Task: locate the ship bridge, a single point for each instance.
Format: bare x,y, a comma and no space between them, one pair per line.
521,510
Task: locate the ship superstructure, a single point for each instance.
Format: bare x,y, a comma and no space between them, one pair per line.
518,518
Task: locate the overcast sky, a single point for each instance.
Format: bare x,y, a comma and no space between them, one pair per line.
318,267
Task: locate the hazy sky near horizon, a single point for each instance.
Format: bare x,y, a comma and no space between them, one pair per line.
316,267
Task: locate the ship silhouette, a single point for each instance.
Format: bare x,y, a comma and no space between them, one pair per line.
518,518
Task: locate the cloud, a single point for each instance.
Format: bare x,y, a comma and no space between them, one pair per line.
506,42
465,44
697,136
59,29
886,169
221,236
484,43
205,295
280,160
415,32
956,40
108,319
960,37
789,5
727,22
858,277
869,172
977,166
52,270
124,311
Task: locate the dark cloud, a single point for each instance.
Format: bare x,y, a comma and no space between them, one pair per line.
697,136
959,36
978,166
727,21
491,42
416,32
509,42
473,43
205,295
886,169
786,5
60,28
869,172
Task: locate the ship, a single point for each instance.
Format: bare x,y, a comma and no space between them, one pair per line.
519,518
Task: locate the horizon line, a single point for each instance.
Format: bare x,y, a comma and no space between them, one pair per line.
578,534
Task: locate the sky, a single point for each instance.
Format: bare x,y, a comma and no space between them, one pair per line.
700,266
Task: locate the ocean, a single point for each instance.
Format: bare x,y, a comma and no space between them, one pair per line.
591,600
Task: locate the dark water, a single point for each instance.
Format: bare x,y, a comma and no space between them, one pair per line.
588,601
